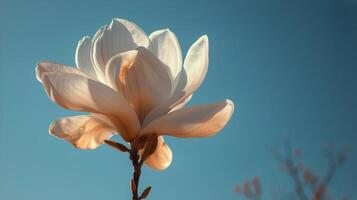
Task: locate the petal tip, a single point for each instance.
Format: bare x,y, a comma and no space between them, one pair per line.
54,130
230,105
39,70
84,39
119,21
202,41
51,127
41,63
114,23
167,30
204,38
230,102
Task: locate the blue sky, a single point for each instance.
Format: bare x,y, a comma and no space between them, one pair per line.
289,66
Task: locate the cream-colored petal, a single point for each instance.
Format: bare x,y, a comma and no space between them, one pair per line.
194,71
161,158
113,121
197,121
166,47
76,92
139,36
120,36
142,78
182,104
83,57
95,54
84,132
45,67
116,69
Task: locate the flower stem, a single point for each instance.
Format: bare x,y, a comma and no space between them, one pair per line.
134,157
137,162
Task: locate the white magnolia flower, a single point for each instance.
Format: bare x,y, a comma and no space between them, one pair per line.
134,85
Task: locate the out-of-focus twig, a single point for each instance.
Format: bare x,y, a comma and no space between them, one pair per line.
250,189
302,177
318,185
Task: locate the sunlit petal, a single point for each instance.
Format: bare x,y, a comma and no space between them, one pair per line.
191,77
76,92
84,132
166,47
120,36
142,78
83,57
45,67
182,104
162,157
197,121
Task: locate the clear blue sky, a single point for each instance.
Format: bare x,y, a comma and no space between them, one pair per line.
289,66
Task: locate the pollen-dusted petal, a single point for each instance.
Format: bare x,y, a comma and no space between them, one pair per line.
162,157
45,67
77,92
197,121
166,47
192,75
142,78
84,132
83,57
120,36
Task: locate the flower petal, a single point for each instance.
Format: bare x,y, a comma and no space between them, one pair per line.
120,36
76,92
44,67
139,36
84,132
194,71
182,104
142,78
198,121
83,58
162,157
95,54
166,47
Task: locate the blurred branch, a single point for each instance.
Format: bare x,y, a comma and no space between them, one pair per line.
301,176
250,189
293,172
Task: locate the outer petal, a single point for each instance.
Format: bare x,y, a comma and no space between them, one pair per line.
166,47
139,36
198,121
84,132
83,58
182,104
95,54
45,67
142,78
76,92
118,37
194,71
162,157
